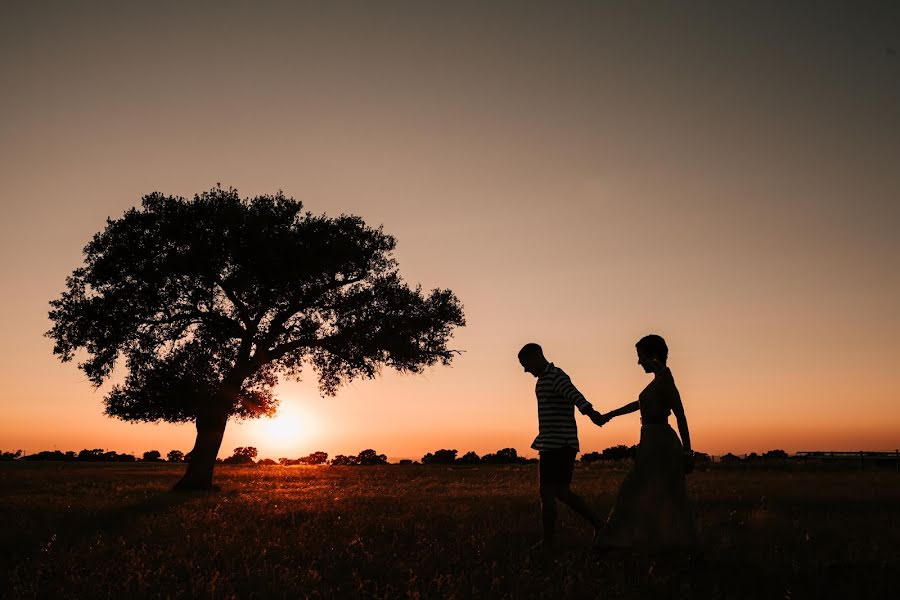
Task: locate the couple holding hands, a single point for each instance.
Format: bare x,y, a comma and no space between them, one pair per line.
651,511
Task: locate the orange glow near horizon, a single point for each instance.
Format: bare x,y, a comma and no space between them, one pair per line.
284,434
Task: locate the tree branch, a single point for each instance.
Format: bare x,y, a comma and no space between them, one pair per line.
276,328
241,308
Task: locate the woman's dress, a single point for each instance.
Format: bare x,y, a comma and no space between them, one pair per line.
652,509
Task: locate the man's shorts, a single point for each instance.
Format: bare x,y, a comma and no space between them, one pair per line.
556,466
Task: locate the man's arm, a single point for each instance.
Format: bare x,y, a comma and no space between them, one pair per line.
563,386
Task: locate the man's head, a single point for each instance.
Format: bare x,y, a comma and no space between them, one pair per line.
531,357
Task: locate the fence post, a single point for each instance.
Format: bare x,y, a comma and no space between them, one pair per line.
862,459
897,459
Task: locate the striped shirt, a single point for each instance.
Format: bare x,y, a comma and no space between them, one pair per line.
556,399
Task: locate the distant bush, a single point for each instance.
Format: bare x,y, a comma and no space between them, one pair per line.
266,462
152,456
406,461
241,456
6,456
618,452
95,455
729,458
775,454
440,457
316,458
344,461
98,455
49,455
701,457
505,456
370,457
469,458
175,456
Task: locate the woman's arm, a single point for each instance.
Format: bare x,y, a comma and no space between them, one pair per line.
683,427
628,408
673,398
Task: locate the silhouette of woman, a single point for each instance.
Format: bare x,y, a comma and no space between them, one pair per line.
652,510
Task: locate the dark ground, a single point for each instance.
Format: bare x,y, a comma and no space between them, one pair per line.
114,531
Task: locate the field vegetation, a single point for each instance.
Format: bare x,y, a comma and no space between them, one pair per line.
114,530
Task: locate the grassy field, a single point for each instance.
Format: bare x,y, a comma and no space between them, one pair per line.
107,530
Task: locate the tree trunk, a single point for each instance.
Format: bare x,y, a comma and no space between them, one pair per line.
210,429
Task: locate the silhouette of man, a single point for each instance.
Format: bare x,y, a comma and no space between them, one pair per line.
557,439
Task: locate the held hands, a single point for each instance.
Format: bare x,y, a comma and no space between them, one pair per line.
599,419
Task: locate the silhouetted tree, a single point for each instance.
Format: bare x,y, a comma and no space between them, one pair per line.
370,457
211,300
242,456
342,461
589,457
95,455
440,457
752,456
50,455
266,462
8,456
469,458
619,452
509,454
775,454
316,458
91,455
152,456
115,457
729,458
701,457
175,456
98,455
506,456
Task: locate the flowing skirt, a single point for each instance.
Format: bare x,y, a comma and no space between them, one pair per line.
652,509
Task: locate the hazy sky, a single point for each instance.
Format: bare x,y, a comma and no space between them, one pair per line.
724,174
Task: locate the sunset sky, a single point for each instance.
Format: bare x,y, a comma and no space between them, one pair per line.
581,174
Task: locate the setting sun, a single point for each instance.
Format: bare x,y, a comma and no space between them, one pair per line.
284,434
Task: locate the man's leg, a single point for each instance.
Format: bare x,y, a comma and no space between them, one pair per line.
567,496
577,503
548,512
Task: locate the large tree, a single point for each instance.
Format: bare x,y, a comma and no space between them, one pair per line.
207,302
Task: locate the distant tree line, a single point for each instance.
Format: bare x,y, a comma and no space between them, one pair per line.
753,456
95,455
622,452
504,456
614,453
316,458
246,455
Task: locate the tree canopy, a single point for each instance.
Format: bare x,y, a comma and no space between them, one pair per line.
218,292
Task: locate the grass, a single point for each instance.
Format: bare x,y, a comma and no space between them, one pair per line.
114,531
